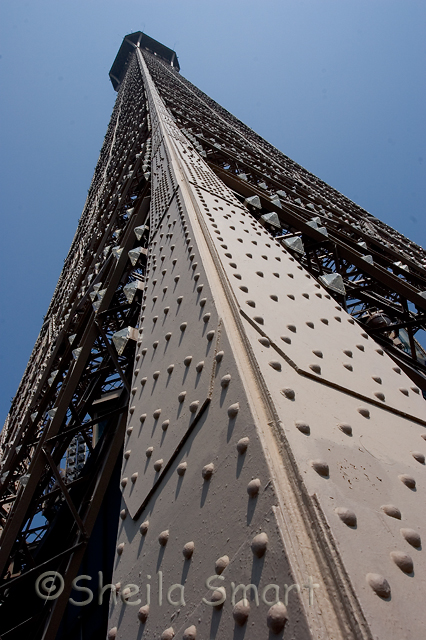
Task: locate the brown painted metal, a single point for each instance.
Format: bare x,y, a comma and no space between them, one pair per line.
258,406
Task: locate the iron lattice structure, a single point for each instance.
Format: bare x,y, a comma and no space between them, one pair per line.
191,219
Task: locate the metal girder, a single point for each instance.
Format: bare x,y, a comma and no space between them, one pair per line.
265,433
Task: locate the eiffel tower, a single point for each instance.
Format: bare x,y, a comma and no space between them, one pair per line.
220,432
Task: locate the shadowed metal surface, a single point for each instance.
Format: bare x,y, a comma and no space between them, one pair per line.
275,437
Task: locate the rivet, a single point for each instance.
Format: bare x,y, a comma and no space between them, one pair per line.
144,350
377,379
219,356
407,480
310,325
259,319
163,537
291,296
221,564
303,427
181,468
364,335
142,417
264,341
347,516
242,445
348,353
321,467
241,612
200,286
237,275
251,303
181,396
260,273
277,617
338,318
188,550
157,413
274,297
253,487
165,425
411,536
168,634
415,389
155,318
364,412
397,370
417,455
149,452
129,430
423,435
360,347
187,361
124,482
210,335
317,353
288,393
170,368
143,381
176,278
286,339
143,613
112,633
179,300
275,364
380,352
166,310
244,289
168,336
127,454
391,511
380,396
233,410
123,514
190,633
183,326
120,548
207,471
156,375
194,406
346,428
158,464
155,344
379,584
315,368
217,596
347,366
225,381
259,545
203,302
132,409
134,477
199,366
291,327
324,320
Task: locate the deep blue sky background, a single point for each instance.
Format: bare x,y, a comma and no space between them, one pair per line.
337,85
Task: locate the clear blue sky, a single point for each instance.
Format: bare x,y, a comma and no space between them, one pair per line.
337,85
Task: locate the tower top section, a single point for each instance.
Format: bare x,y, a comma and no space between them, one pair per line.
141,40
